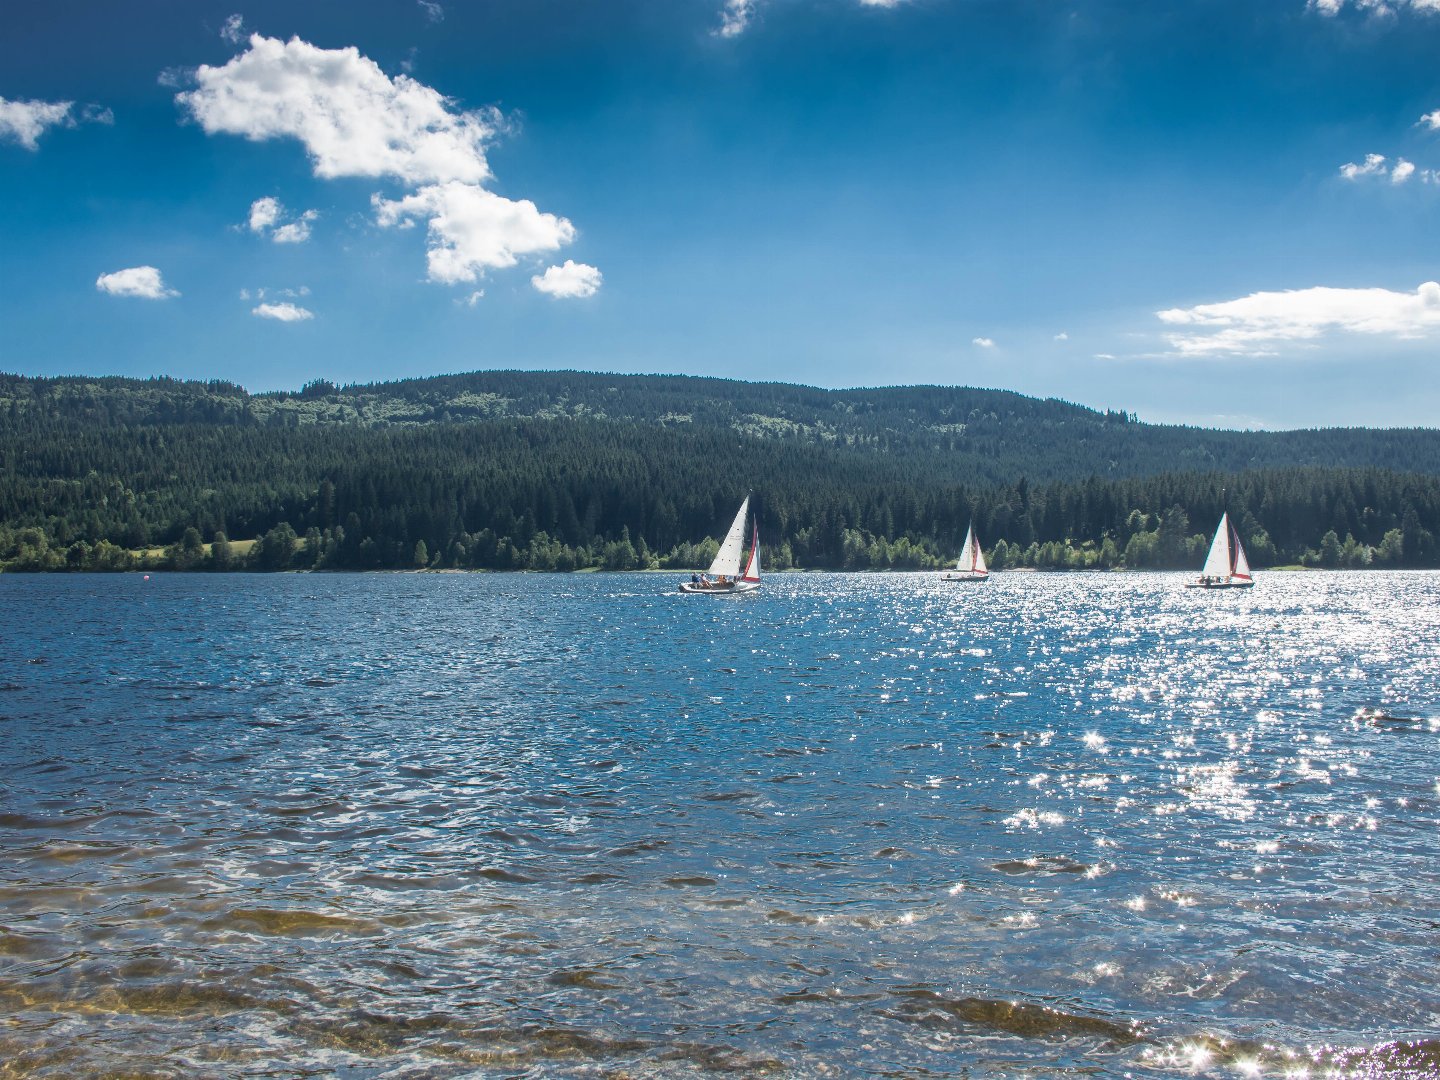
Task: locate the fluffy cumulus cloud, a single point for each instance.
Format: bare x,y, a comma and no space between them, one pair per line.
983,342
472,230
354,120
1263,323
267,219
283,312
25,121
571,280
144,282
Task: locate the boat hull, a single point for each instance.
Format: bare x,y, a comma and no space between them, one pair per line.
1219,584
730,588
965,577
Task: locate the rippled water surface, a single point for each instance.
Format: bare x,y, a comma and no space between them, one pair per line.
868,825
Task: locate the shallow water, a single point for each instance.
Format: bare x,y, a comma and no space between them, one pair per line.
863,825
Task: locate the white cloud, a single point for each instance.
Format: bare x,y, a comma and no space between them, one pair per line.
472,230
96,114
264,213
1062,336
267,214
735,17
1378,165
1374,7
285,312
983,342
571,280
25,121
353,119
297,231
433,11
234,30
471,300
1374,164
1262,323
140,281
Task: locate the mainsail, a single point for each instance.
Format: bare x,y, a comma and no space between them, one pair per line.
727,559
1219,562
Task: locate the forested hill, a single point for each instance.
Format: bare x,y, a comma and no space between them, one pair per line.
990,436
561,470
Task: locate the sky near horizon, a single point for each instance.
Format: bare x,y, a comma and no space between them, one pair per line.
1216,212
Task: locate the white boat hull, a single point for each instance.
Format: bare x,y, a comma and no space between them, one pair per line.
729,588
1219,584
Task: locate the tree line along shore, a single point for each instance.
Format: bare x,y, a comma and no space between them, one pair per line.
572,471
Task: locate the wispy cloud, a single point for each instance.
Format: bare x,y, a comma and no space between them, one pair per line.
354,120
284,312
1264,323
234,30
571,280
1373,7
1062,336
143,282
433,11
736,15
25,121
1378,165
983,342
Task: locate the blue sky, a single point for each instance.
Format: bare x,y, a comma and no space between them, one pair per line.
1218,213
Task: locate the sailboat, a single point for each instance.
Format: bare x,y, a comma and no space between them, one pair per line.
724,576
1226,566
971,566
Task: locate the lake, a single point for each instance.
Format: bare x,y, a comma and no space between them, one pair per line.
445,825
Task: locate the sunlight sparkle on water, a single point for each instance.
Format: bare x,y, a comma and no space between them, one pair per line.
619,849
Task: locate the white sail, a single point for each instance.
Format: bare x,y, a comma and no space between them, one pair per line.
967,550
727,560
972,559
752,568
1242,564
1217,563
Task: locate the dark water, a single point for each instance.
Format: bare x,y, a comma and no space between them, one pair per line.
869,825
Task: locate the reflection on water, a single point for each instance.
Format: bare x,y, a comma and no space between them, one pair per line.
459,825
